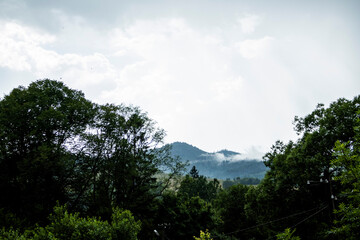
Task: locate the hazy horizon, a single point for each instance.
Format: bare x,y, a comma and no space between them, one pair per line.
215,74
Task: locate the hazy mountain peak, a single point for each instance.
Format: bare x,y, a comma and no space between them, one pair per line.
221,164
228,153
186,151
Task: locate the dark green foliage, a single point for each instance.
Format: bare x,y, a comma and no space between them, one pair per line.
284,200
122,158
245,181
199,186
57,146
38,128
65,225
287,235
181,217
204,236
347,166
194,173
230,208
285,191
12,234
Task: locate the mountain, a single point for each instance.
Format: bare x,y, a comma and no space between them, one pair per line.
186,151
223,164
228,153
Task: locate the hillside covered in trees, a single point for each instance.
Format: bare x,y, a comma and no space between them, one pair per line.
73,169
223,164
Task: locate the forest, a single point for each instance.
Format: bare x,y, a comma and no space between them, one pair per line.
74,169
223,164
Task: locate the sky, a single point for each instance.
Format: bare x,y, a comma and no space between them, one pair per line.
215,74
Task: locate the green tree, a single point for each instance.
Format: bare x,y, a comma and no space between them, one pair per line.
347,166
287,235
204,236
122,153
245,181
65,225
199,186
12,234
123,159
182,218
194,173
57,146
284,190
39,126
229,205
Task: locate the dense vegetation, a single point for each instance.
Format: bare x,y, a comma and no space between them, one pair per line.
72,169
244,181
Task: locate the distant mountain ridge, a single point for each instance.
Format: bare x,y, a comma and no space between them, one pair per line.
228,153
223,164
186,151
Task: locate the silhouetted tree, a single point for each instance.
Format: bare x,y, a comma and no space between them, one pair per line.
194,173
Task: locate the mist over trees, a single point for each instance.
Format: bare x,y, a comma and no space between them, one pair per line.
73,169
222,164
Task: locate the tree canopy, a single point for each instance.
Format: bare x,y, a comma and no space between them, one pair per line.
57,146
74,169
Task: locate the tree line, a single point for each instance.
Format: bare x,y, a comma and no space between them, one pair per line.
73,169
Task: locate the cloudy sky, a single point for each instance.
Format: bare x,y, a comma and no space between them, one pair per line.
216,74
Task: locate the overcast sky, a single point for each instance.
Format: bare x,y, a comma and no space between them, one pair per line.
216,74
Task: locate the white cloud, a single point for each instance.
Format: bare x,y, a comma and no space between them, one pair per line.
174,61
218,156
252,153
24,48
252,48
188,80
227,88
249,23
205,81
17,42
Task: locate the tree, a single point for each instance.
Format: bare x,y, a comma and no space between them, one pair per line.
194,173
229,206
39,126
57,146
347,166
245,181
287,235
65,225
284,190
122,151
123,157
204,236
200,186
182,218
